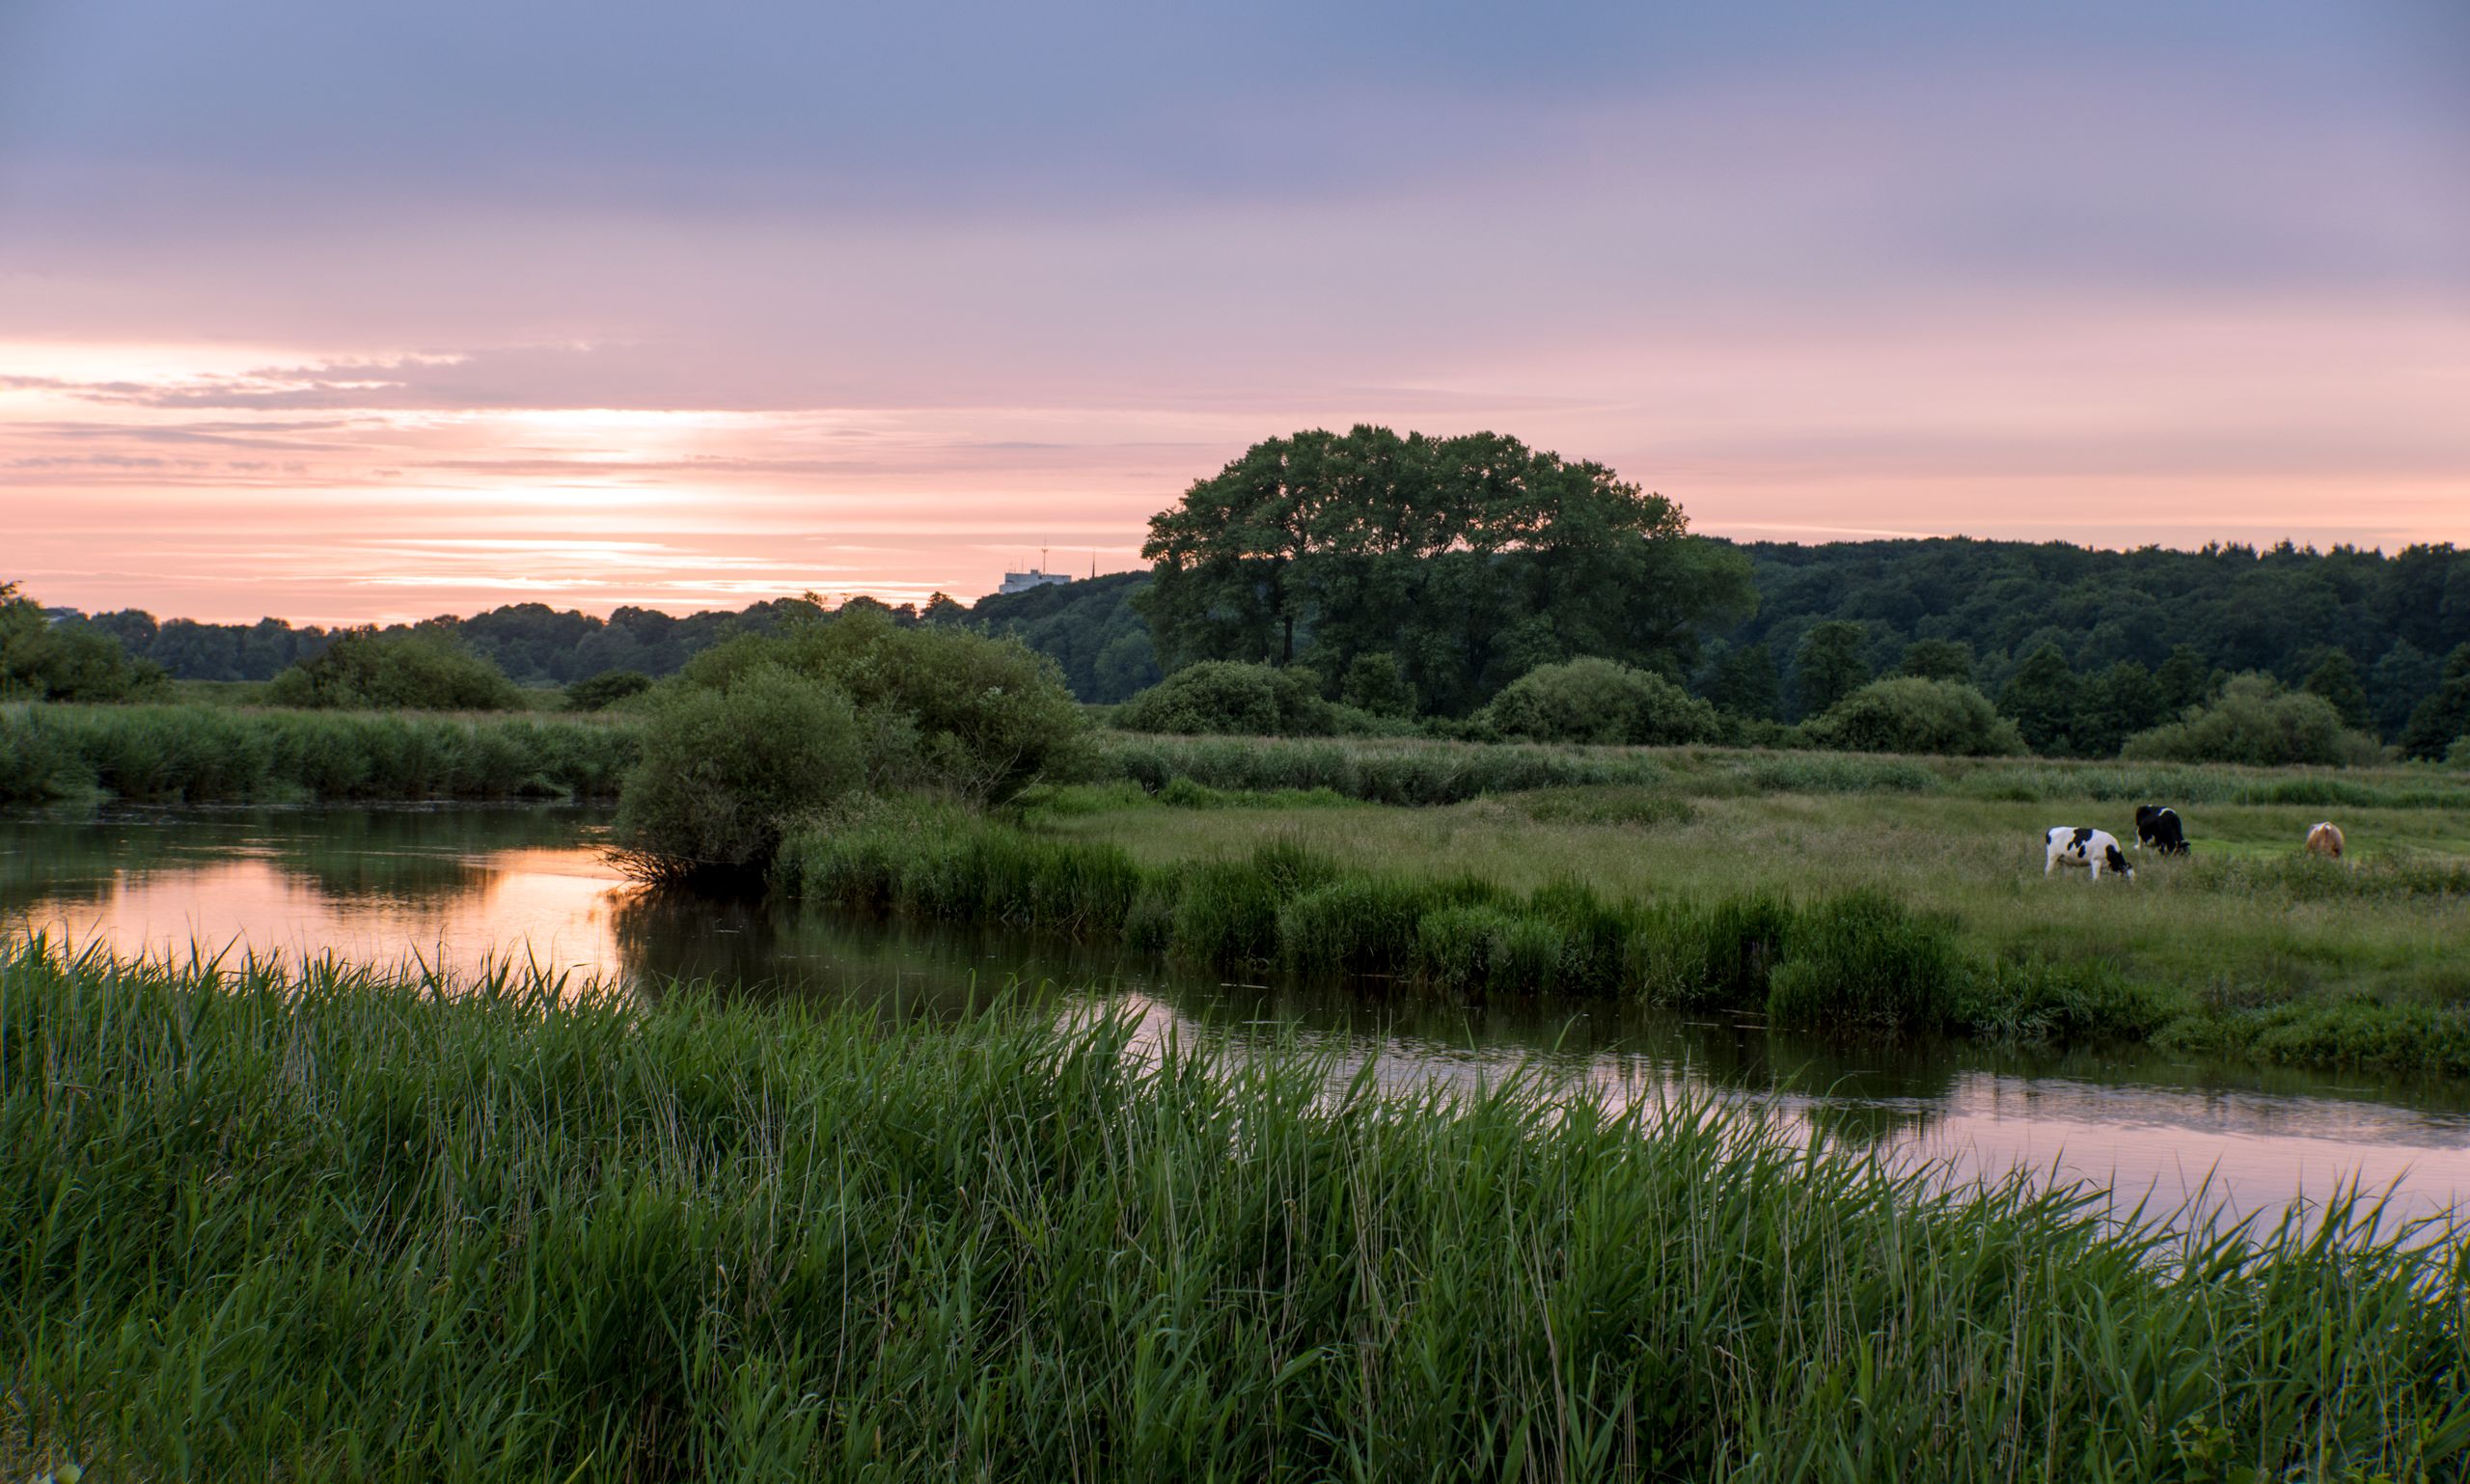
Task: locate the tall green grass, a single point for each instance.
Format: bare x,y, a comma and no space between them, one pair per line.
1383,772
329,1224
1850,961
209,754
1431,773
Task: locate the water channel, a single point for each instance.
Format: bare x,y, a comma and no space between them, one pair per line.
460,888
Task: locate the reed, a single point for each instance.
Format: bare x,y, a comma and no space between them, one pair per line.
330,1222
1427,773
202,753
1851,961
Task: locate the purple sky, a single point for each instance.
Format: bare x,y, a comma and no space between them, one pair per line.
346,311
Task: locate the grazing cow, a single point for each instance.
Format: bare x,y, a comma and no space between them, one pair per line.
2095,849
2158,826
2326,840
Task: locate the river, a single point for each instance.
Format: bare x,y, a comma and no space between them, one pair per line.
459,888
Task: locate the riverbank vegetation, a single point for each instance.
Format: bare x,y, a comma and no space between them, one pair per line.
1415,771
1746,906
333,1224
765,729
213,753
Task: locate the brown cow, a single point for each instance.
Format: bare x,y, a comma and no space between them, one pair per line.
2326,840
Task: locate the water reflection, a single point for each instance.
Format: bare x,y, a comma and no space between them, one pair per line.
459,888
452,889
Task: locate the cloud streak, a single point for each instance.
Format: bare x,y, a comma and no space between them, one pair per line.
931,287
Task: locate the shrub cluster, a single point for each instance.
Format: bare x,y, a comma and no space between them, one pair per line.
208,754
1227,698
2256,722
1596,701
1913,714
409,669
763,729
606,689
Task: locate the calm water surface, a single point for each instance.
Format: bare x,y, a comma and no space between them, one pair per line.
458,888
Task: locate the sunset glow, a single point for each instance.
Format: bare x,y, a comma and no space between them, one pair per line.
2081,274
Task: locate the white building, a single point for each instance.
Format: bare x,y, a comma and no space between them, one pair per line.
1023,581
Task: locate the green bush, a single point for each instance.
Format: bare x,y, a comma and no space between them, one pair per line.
725,769
1596,701
1233,700
410,670
1910,714
2256,722
606,689
944,708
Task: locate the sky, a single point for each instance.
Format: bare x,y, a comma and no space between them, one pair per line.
354,312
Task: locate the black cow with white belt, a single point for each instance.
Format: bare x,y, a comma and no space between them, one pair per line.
2160,828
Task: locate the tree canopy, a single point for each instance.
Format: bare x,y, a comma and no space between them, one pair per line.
1469,559
63,661
2186,619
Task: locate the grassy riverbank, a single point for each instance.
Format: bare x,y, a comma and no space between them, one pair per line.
209,754
1425,773
341,1227
1845,912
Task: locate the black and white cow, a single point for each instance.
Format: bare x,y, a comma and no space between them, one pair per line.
2097,849
2160,828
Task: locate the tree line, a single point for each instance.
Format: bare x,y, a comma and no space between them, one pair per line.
1414,577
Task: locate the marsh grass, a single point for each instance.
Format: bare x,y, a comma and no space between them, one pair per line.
2209,943
202,753
332,1223
1859,961
1427,773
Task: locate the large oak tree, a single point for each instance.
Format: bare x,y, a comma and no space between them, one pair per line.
1469,560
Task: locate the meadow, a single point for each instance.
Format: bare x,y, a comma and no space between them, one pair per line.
1419,772
329,1223
1829,892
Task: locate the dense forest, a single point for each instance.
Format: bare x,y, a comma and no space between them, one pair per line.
2021,620
2282,611
533,643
